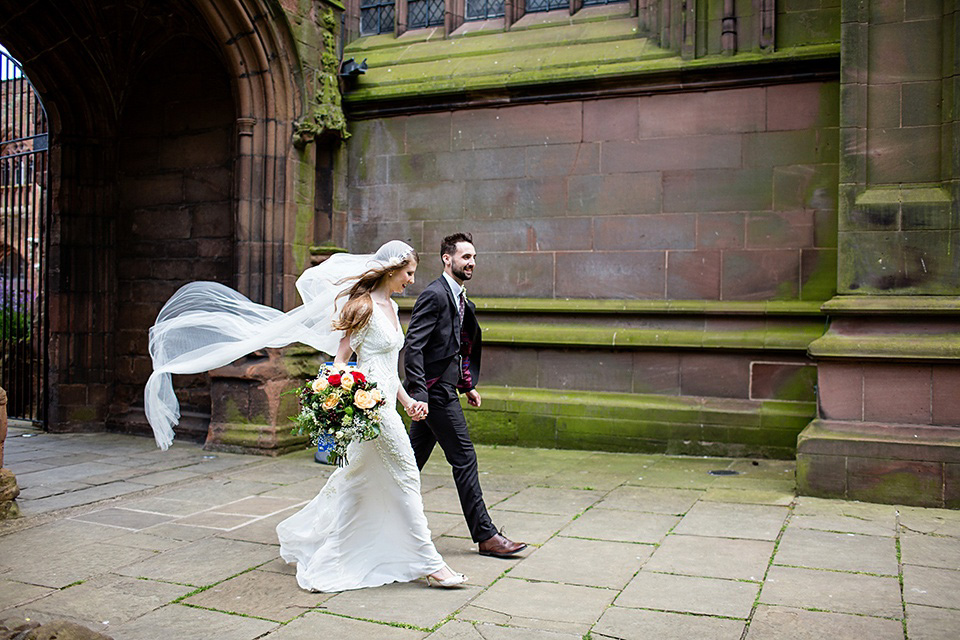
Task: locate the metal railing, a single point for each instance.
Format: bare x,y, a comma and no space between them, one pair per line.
24,211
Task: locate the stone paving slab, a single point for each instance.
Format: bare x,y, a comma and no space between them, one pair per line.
446,499
561,502
180,621
709,596
782,497
321,625
931,623
201,563
941,522
539,605
245,595
833,591
785,623
638,624
412,603
932,587
72,564
845,517
123,518
839,551
532,528
166,506
712,557
653,500
462,630
17,593
930,551
82,496
159,478
216,520
595,563
105,601
725,520
263,530
621,526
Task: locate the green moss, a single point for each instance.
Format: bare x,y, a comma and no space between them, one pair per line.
896,346
893,305
82,414
790,337
637,422
326,113
616,307
820,281
527,57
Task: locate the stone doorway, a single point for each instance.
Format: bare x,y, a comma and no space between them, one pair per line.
167,165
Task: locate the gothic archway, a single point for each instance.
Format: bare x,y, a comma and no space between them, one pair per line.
91,63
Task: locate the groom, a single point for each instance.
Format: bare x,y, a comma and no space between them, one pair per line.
442,357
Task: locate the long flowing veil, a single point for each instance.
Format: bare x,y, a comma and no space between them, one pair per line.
206,325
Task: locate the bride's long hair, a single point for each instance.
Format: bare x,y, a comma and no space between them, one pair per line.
359,307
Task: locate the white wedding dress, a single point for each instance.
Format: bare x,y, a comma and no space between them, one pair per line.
366,527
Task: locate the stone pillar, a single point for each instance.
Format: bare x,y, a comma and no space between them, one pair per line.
8,483
250,405
888,428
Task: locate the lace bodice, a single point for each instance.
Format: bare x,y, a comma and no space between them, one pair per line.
377,346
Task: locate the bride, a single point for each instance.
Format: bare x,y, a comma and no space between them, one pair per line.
366,527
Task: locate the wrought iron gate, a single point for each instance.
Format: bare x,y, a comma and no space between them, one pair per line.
24,211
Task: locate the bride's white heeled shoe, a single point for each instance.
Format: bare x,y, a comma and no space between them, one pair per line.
456,580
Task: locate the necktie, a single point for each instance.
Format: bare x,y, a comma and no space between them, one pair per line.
463,303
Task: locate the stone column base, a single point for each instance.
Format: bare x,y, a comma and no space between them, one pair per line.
915,465
8,494
250,407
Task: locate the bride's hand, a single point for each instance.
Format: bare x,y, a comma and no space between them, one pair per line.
417,410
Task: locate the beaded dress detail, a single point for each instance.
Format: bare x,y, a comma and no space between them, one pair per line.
366,527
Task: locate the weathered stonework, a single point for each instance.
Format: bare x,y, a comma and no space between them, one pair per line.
8,482
889,426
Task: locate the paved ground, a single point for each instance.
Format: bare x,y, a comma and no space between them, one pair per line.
142,544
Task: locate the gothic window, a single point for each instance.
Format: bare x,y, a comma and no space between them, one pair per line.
483,9
424,13
546,5
376,16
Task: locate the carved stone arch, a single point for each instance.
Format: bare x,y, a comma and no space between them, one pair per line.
261,54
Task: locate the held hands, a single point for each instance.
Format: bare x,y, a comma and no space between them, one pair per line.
416,410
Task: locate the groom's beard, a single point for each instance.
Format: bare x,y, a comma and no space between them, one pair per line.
461,274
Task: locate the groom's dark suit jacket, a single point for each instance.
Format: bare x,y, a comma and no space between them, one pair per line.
435,338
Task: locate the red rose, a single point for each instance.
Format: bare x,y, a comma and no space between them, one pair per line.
359,377
334,380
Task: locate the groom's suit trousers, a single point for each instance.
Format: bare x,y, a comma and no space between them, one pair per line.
446,425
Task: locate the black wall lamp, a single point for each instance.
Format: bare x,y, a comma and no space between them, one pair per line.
350,68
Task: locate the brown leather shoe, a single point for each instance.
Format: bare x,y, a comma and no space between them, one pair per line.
500,547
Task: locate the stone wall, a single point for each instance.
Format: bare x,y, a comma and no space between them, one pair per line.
175,221
722,195
718,197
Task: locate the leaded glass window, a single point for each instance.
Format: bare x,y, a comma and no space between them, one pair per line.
483,9
546,5
376,16
424,13
594,3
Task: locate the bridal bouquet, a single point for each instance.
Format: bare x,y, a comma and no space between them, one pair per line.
338,407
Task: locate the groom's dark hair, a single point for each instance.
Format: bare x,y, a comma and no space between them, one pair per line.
449,244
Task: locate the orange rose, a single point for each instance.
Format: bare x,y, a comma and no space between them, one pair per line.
377,396
364,399
319,385
331,402
346,381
